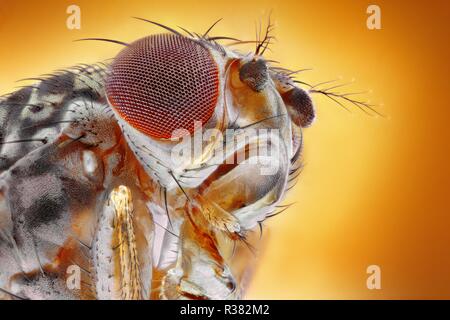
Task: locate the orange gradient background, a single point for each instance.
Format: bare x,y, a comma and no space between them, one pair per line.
373,191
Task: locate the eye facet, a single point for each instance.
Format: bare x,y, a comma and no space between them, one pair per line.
162,83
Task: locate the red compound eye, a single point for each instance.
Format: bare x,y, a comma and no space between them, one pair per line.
162,83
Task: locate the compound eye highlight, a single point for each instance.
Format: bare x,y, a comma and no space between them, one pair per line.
162,83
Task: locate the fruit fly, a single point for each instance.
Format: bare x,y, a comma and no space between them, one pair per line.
89,182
